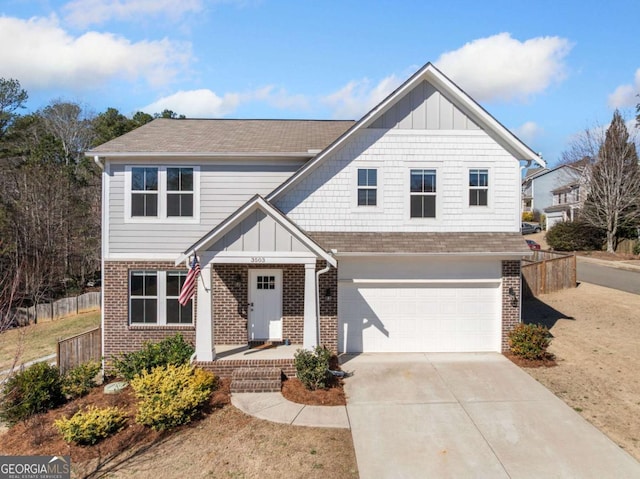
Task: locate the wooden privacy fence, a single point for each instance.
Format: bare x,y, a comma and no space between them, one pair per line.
548,272
79,349
58,309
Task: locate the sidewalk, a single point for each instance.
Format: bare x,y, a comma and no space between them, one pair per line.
275,408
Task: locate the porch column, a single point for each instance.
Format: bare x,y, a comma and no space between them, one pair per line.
204,320
310,330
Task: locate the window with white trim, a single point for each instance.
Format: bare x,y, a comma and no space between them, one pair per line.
153,298
162,193
423,193
367,186
144,191
478,187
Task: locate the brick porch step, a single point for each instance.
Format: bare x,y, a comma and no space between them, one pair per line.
256,380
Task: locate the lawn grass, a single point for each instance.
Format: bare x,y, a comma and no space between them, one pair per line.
38,340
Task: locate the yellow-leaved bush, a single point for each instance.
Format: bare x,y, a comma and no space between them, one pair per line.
171,395
91,425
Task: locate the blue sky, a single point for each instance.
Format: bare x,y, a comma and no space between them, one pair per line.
545,69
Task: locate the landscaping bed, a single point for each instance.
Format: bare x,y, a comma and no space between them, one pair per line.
596,336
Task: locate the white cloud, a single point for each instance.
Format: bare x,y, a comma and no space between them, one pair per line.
626,95
503,68
44,55
205,103
359,96
83,13
201,103
528,132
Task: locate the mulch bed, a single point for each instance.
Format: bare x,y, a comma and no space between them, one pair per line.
295,391
548,361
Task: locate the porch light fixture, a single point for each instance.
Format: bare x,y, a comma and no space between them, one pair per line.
514,298
327,294
238,280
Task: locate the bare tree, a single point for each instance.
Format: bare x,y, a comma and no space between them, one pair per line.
612,175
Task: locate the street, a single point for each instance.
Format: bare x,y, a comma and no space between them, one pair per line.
615,278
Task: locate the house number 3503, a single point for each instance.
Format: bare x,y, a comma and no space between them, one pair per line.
257,259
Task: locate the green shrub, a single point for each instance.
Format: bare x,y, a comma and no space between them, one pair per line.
91,425
173,350
575,236
530,341
171,395
36,389
636,248
312,367
80,380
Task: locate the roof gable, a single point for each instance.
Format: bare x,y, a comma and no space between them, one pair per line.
451,92
263,227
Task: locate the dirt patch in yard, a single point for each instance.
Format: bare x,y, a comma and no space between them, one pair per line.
224,442
596,344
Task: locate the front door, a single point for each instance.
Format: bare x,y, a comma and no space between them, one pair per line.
265,304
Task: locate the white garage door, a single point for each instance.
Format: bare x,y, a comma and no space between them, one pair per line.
419,315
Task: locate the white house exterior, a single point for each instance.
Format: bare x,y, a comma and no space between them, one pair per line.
398,232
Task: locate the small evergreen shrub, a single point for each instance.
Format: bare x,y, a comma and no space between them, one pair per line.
312,367
169,396
173,350
36,389
91,425
575,236
81,379
529,341
636,248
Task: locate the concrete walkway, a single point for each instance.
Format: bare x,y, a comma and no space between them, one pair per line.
274,407
468,416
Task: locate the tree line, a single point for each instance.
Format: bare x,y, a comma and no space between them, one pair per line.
50,194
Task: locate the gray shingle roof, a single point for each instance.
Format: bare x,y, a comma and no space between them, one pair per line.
164,135
416,243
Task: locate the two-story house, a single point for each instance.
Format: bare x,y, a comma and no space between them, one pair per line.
397,232
558,193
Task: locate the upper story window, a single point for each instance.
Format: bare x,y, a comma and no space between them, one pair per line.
478,187
423,193
367,187
179,191
162,193
144,191
153,298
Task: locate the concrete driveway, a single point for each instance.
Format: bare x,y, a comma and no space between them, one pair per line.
468,416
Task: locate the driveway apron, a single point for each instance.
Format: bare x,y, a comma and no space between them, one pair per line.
472,415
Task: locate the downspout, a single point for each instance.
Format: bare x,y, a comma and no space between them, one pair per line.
318,273
103,197
98,162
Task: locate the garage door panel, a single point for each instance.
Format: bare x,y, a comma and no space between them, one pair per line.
419,317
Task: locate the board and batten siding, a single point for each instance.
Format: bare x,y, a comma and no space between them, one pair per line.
223,189
325,200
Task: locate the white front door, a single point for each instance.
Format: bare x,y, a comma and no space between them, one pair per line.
265,304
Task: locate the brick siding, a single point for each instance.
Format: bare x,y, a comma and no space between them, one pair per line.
510,312
119,336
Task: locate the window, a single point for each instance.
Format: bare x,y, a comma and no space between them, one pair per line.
179,191
162,193
153,298
144,191
423,193
367,186
478,187
266,282
144,297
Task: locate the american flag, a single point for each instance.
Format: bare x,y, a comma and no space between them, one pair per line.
189,286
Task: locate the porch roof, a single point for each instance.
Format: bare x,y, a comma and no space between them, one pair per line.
422,243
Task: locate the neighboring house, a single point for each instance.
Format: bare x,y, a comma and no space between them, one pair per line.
558,193
398,232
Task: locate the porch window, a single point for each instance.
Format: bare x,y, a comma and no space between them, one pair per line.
478,187
153,298
367,187
423,193
265,282
143,290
